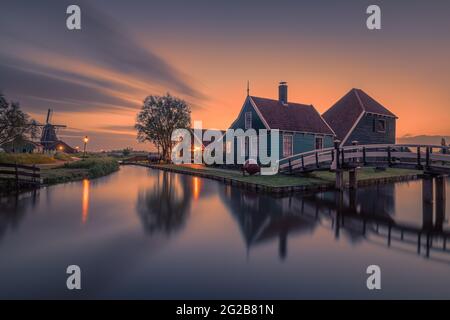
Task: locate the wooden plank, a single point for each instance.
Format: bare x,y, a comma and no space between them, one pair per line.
20,173
20,166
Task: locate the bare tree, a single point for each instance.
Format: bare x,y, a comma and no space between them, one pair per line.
159,117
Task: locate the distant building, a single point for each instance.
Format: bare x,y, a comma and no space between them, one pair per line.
358,117
301,127
22,146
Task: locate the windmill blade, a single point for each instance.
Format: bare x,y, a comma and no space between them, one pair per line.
49,116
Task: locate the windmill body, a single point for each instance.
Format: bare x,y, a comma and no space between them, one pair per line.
50,140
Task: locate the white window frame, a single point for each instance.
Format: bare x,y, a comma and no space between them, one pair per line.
315,142
291,152
248,120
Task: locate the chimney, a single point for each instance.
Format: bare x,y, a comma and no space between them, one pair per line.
282,92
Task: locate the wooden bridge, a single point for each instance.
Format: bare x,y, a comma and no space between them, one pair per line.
432,159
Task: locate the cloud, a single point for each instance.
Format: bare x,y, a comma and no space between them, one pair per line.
102,66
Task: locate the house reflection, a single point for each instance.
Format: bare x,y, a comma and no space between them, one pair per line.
352,213
262,218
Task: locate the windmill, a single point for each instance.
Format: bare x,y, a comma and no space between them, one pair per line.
49,139
49,136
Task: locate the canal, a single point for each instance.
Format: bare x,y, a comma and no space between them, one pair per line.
142,233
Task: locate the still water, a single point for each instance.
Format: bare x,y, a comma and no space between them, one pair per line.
142,233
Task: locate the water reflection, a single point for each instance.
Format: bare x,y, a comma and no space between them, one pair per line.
164,207
360,215
295,243
262,218
85,201
14,208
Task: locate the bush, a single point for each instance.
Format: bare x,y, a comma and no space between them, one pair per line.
96,167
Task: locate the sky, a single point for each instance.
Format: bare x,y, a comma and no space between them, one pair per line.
95,79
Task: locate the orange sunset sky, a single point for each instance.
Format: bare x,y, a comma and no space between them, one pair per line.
96,79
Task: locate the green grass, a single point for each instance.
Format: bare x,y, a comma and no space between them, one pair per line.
315,178
72,171
62,156
26,158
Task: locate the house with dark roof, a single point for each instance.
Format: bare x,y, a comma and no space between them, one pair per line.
358,118
301,127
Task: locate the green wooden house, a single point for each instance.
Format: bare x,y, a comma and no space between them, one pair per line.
301,127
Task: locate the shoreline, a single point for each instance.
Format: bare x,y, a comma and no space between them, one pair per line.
69,172
315,186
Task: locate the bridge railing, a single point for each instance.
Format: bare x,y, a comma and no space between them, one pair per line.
307,159
400,155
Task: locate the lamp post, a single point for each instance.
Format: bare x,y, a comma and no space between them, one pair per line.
85,140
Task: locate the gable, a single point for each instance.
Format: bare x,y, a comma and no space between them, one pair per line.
257,121
345,114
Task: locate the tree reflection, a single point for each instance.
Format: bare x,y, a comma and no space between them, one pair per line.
164,207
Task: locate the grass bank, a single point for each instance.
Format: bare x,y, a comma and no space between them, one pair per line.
286,183
83,169
27,158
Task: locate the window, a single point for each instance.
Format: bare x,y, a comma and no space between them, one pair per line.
287,145
248,120
319,143
380,125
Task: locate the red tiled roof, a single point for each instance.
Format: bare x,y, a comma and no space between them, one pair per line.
344,113
291,117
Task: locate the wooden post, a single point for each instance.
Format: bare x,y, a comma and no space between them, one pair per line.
389,156
340,179
427,158
332,155
440,203
342,157
290,166
303,163
364,156
317,159
338,165
419,160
